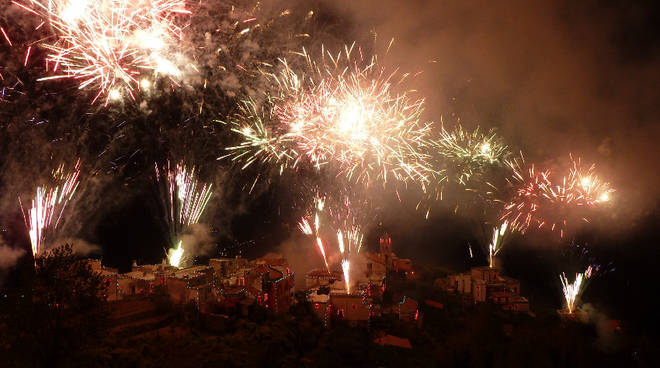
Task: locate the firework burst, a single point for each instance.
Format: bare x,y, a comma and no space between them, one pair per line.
465,156
48,205
339,111
541,202
110,45
465,161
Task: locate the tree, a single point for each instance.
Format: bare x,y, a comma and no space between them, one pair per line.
54,317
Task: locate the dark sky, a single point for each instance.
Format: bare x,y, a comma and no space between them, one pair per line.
554,77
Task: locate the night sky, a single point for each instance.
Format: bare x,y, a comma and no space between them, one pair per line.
554,77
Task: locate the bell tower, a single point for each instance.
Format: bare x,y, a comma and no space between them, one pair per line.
386,250
385,244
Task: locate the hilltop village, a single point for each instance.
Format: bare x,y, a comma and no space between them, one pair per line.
235,312
269,282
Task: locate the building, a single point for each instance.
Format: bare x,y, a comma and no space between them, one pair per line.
225,267
266,281
187,284
110,280
320,278
484,284
274,287
350,307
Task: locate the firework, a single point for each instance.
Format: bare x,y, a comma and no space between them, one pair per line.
2,30
464,155
349,241
573,290
175,255
319,205
470,161
346,268
542,201
338,217
339,111
109,44
497,242
585,187
48,205
186,198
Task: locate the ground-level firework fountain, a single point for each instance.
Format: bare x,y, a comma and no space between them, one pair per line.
497,242
175,255
573,290
48,205
186,200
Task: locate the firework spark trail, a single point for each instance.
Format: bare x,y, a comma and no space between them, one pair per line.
109,44
497,242
186,197
346,268
48,205
573,290
306,228
339,111
6,37
349,235
540,202
334,216
349,241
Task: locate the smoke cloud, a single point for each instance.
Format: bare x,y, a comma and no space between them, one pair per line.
605,327
302,257
9,256
198,240
554,77
79,246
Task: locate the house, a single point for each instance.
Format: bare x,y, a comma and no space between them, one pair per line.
318,277
484,284
350,307
110,279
